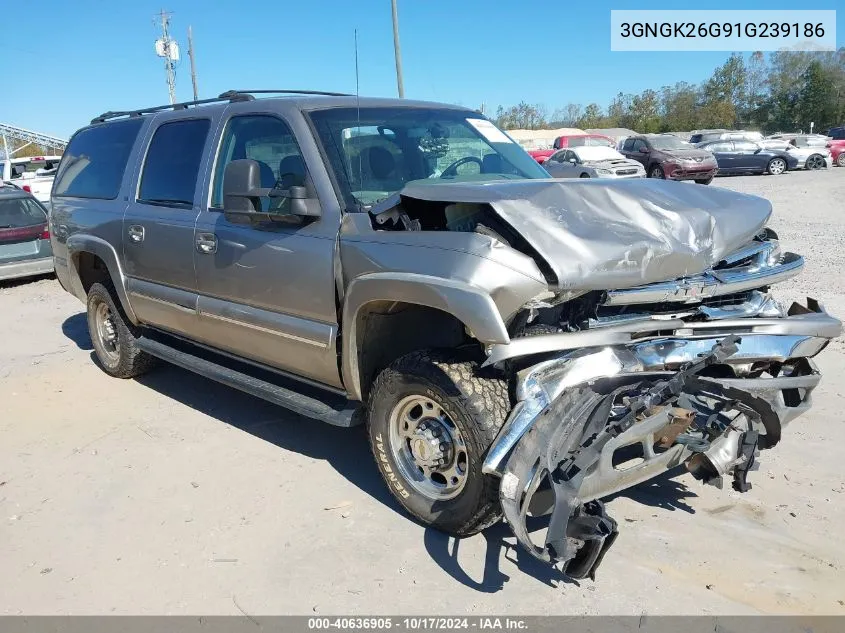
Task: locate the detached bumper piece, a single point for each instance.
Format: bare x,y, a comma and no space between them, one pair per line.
562,445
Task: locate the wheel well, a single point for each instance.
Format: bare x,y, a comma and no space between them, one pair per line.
91,269
386,330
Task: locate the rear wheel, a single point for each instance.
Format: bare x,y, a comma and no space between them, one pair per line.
656,171
431,419
776,166
113,336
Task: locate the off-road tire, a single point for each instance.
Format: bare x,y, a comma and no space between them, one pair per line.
705,181
477,402
656,171
131,361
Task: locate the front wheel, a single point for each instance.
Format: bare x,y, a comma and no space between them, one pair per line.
815,161
840,160
431,420
776,166
656,172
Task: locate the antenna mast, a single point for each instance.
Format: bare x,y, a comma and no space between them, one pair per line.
193,63
168,48
397,52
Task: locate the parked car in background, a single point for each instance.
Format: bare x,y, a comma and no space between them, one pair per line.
540,155
33,174
592,162
581,140
705,136
810,150
24,235
746,157
836,145
667,156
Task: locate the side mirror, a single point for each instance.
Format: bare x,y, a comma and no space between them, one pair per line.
242,193
643,150
573,161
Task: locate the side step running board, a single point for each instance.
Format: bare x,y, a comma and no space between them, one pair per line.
324,406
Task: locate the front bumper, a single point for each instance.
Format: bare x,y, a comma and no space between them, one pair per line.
686,172
558,416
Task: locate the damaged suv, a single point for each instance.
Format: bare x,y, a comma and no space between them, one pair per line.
520,344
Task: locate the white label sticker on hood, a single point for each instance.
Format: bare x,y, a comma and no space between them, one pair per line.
489,131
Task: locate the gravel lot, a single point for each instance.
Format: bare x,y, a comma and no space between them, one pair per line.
172,494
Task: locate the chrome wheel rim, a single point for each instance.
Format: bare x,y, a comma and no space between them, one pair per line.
777,166
428,448
106,333
840,160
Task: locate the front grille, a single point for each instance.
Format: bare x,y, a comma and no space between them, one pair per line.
626,172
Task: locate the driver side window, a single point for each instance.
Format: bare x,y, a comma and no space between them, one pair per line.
267,140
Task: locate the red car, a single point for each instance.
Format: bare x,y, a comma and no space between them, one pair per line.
580,140
837,145
541,155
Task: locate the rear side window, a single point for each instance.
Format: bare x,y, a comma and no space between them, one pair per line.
173,162
837,134
629,145
94,161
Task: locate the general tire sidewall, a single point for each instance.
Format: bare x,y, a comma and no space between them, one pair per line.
445,514
96,296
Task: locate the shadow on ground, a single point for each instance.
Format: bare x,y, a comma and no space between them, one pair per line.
76,329
347,452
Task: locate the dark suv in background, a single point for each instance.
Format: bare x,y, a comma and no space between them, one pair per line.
667,156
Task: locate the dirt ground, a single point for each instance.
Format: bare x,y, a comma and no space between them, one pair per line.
172,494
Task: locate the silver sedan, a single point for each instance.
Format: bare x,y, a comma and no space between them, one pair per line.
592,162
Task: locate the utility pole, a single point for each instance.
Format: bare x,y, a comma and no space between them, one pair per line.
193,63
169,50
396,51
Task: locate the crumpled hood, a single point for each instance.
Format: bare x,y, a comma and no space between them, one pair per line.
603,235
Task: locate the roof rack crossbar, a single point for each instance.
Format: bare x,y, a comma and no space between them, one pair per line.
231,93
184,105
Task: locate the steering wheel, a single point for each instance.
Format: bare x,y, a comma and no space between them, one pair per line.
452,170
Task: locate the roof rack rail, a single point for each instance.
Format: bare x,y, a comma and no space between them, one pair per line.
233,93
226,96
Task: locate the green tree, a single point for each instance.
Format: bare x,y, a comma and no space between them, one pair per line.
816,102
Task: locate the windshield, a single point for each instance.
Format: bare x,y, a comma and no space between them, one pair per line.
377,152
668,142
589,141
586,154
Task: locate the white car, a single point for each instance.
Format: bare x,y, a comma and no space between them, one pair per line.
33,174
810,150
592,162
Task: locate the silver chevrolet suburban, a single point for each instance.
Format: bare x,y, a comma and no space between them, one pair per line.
517,344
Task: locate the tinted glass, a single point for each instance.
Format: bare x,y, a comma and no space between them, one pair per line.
629,145
269,141
837,134
94,161
173,163
18,212
639,144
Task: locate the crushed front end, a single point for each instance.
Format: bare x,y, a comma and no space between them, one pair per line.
614,388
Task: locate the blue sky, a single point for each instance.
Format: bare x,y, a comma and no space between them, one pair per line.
81,58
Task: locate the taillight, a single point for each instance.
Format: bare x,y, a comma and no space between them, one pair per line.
45,233
27,188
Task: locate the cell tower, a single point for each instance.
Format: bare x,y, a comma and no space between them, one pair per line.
168,48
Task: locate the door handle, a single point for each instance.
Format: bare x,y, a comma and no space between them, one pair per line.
136,233
206,243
